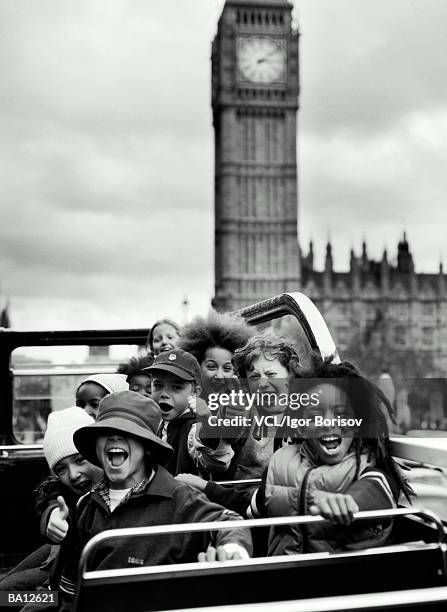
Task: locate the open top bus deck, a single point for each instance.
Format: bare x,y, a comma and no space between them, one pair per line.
39,372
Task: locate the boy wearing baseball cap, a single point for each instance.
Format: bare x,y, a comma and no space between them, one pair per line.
175,383
136,491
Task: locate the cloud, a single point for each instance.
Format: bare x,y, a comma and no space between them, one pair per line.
374,189
367,64
373,127
103,146
106,157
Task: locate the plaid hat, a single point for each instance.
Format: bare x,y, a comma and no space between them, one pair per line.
178,362
127,412
110,382
58,439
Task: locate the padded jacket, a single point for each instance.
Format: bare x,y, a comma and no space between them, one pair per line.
161,500
294,473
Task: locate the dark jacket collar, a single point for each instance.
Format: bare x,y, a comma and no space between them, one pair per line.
179,421
162,484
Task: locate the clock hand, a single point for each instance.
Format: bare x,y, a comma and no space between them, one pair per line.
263,59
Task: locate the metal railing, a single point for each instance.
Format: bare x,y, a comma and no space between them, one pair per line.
67,370
249,523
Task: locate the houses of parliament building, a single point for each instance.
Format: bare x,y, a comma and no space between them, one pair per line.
383,308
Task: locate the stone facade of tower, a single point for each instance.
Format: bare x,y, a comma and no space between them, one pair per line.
255,86
383,309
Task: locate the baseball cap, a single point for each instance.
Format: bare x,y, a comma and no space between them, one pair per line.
178,362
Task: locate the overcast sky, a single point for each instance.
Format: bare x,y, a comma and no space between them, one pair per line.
106,148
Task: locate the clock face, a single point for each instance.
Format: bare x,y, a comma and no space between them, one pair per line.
261,60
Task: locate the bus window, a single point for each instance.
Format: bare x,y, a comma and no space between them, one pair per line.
46,378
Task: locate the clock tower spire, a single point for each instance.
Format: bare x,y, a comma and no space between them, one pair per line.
255,86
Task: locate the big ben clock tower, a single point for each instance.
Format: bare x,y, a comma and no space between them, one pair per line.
255,85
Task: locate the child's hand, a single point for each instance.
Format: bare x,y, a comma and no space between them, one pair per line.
198,406
236,408
334,506
57,526
192,480
225,552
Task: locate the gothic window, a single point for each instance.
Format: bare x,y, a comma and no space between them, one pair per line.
341,333
427,337
252,139
245,259
243,121
251,199
401,310
427,309
244,197
400,336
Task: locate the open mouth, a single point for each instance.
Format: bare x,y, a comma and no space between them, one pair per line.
330,444
167,347
117,456
165,408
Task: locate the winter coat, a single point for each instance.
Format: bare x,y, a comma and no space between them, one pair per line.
161,500
294,473
46,494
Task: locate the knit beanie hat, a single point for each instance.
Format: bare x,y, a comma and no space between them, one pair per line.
58,439
110,382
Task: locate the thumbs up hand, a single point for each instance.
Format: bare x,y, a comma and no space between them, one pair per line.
57,526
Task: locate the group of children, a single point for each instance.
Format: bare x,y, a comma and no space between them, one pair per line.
138,450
